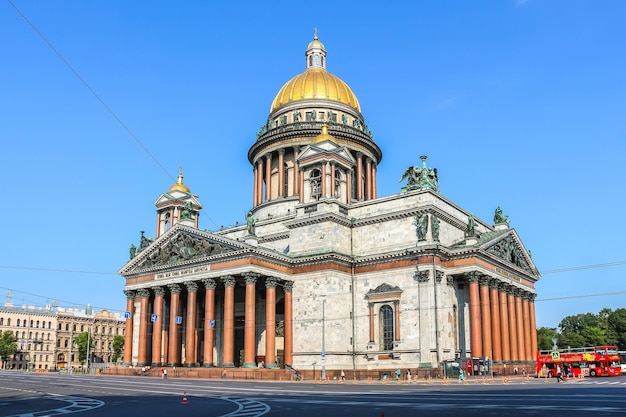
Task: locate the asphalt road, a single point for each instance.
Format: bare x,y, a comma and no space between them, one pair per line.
38,395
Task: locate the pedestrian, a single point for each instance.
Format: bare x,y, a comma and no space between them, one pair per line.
164,373
398,372
408,376
515,370
558,374
143,370
461,376
343,375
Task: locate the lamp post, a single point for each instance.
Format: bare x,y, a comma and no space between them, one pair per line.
88,340
323,339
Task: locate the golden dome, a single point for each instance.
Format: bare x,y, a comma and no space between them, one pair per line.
179,186
315,83
315,44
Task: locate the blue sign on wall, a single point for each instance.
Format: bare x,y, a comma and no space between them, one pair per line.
154,317
212,323
127,314
179,320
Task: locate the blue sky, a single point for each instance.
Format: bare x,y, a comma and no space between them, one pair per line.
517,103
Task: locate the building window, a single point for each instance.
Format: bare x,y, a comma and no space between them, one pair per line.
316,184
8,321
386,327
49,325
31,323
66,342
37,324
18,322
1,321
337,184
67,327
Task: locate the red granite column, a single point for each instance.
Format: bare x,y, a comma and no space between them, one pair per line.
485,315
323,184
191,356
173,348
359,176
512,323
368,179
268,177
476,333
533,321
209,321
301,186
296,170
528,354
259,187
504,322
229,321
256,183
495,320
142,357
128,328
157,326
373,180
270,322
348,187
519,315
249,345
281,172
288,352
332,179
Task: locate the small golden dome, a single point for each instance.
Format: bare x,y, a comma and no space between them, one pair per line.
179,186
315,83
315,44
324,135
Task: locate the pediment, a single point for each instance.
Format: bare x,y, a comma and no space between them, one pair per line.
384,289
326,149
177,196
509,247
178,245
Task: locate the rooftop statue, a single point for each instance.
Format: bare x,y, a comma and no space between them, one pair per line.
187,213
498,217
421,178
471,227
251,222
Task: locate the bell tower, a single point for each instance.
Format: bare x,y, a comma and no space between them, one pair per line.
177,205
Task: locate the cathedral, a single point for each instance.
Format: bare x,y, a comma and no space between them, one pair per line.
325,274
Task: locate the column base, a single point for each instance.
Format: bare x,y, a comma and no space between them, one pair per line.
172,364
127,364
208,365
249,365
271,366
191,365
228,365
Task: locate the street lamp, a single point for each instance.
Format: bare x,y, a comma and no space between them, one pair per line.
323,339
88,340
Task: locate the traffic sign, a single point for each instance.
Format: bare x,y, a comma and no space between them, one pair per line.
323,356
154,317
179,320
127,314
556,355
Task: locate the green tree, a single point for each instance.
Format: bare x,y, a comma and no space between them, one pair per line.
575,330
545,336
8,346
617,325
118,347
82,341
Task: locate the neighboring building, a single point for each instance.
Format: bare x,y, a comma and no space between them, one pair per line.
325,272
35,330
103,327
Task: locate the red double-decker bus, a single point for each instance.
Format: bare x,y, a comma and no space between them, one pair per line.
587,361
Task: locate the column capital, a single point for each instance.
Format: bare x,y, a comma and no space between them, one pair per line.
228,280
192,286
288,286
271,282
281,151
511,290
484,280
473,276
251,277
174,288
503,286
494,283
130,294
438,276
158,291
450,280
143,293
209,283
421,276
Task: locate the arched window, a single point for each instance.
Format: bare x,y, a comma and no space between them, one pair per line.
31,323
82,327
37,324
66,342
310,60
316,184
1,321
386,327
49,325
67,327
18,322
9,321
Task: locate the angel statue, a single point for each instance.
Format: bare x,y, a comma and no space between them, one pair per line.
421,178
498,217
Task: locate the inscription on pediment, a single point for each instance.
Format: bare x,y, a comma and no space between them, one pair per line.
181,248
510,251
